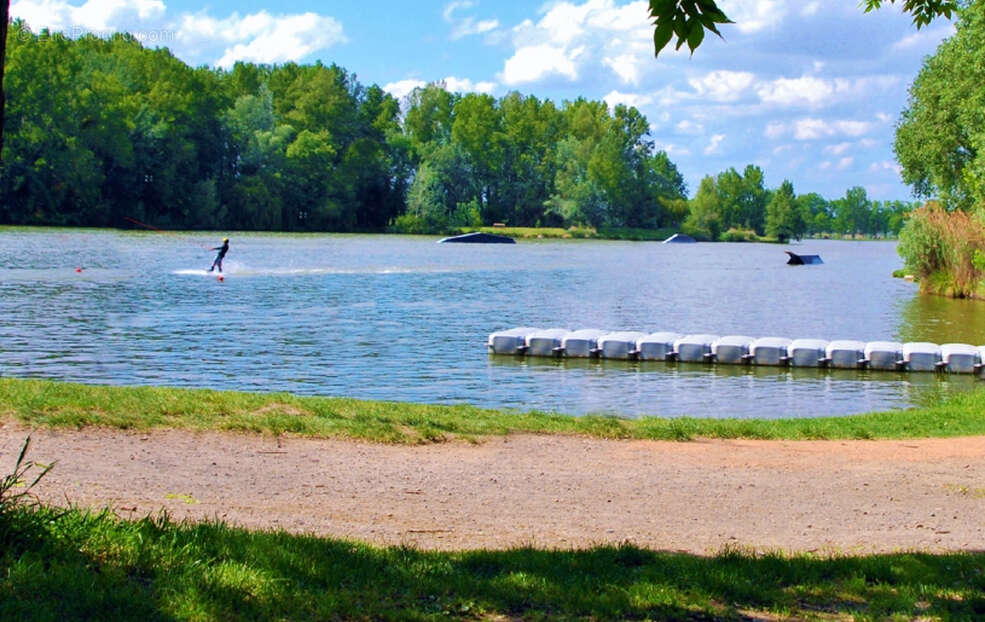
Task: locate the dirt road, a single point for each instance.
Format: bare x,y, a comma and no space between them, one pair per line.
543,491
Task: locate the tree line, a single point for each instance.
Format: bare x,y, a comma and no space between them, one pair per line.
736,206
105,132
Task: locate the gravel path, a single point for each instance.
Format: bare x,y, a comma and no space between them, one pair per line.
543,491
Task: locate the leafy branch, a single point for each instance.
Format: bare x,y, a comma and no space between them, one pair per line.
689,19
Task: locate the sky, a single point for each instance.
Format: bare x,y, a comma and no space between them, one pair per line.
809,91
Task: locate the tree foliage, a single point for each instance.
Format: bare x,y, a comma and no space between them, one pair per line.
103,131
689,19
940,139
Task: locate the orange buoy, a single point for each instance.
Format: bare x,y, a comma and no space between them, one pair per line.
78,269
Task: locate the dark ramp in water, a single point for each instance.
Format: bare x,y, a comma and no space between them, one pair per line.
477,238
802,260
680,238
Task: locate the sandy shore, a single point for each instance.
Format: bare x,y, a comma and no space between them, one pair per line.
543,491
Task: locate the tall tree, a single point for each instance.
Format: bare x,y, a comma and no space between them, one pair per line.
704,219
783,220
940,139
852,212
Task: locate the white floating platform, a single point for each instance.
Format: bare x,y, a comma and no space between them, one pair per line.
582,343
658,346
956,358
846,354
620,345
695,348
732,349
769,351
808,352
512,341
546,342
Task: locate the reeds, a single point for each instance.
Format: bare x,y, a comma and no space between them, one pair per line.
945,250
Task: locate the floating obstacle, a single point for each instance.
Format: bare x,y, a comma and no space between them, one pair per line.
802,260
477,237
957,358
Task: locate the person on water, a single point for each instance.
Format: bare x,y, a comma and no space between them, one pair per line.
222,253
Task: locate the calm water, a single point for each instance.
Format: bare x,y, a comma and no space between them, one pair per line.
403,318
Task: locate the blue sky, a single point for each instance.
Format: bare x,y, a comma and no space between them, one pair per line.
808,90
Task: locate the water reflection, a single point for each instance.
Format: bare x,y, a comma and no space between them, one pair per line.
693,388
942,320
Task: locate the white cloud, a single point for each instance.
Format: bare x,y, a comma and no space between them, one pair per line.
885,165
722,85
845,162
626,66
850,128
402,88
775,129
258,37
619,38
752,16
261,37
690,127
814,129
533,63
673,150
814,92
805,90
465,26
714,143
614,98
810,129
838,148
464,85
95,16
924,40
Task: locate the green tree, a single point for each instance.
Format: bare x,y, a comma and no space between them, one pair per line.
429,118
852,212
815,212
940,139
704,218
784,221
477,131
531,130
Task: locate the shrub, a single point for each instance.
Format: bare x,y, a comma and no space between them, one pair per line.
739,235
944,249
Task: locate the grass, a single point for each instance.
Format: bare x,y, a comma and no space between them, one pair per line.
89,566
58,564
66,405
605,233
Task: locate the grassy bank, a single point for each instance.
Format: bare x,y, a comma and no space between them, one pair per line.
58,404
606,233
79,566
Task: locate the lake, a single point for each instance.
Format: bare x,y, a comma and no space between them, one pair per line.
402,318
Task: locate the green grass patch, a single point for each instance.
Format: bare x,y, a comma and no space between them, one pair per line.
75,565
60,404
605,233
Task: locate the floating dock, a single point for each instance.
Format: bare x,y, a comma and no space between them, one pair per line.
957,358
